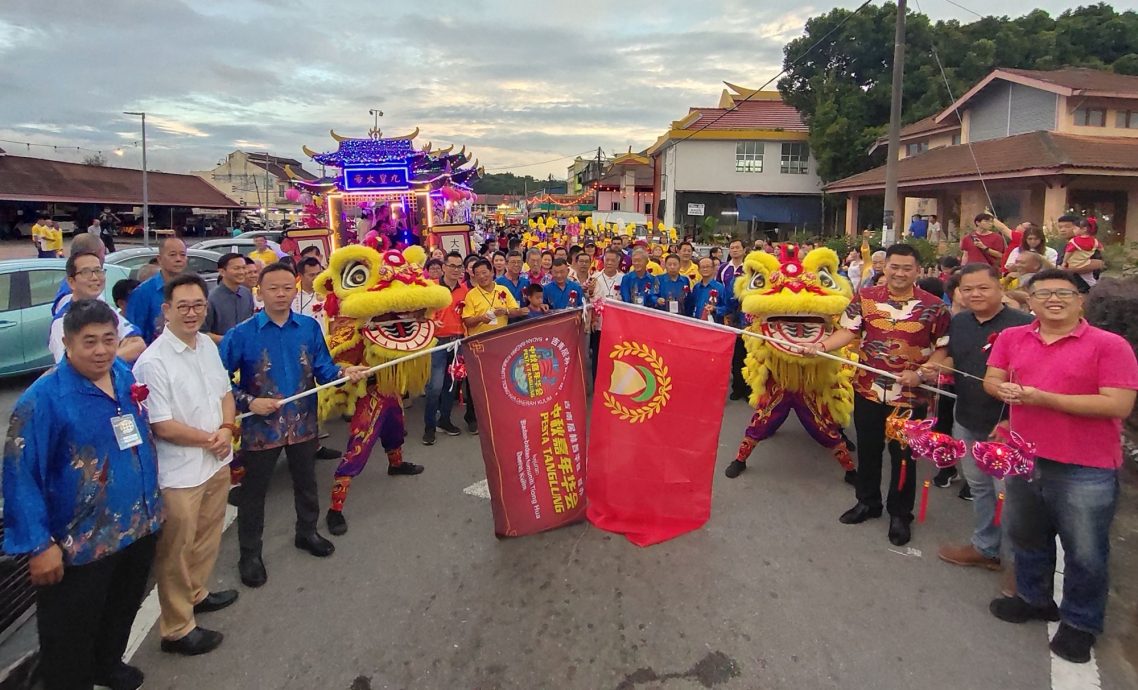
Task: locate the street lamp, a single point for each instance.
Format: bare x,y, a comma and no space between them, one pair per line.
145,189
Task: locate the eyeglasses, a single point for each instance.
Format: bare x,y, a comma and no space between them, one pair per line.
457,267
186,309
90,272
1063,294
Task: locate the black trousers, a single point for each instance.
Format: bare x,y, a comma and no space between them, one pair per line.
84,620
469,417
869,420
594,350
738,383
259,465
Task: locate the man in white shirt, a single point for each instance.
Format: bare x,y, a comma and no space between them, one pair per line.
307,302
192,415
87,280
606,286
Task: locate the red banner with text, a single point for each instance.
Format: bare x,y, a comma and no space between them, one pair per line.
528,385
657,408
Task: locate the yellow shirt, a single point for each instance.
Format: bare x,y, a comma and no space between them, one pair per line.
266,257
479,301
692,273
52,239
37,234
654,268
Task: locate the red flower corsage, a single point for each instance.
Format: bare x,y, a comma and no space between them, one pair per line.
502,294
572,295
991,341
139,393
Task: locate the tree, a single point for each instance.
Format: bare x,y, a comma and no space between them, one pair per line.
509,183
96,159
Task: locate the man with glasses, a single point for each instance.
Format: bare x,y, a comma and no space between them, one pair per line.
87,279
1069,386
448,328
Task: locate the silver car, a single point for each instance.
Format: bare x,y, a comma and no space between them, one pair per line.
200,261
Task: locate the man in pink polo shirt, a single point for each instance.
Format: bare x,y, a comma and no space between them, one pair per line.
1069,386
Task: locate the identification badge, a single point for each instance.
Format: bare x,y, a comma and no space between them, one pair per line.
126,431
638,299
673,306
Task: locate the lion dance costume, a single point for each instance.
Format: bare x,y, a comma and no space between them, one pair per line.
379,307
795,300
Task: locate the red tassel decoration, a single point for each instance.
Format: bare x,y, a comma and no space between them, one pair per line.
924,502
999,509
902,474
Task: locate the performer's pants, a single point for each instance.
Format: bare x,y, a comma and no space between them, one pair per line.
739,386
440,397
259,466
377,418
84,620
187,551
869,420
770,414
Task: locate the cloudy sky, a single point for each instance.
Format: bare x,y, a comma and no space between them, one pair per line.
524,85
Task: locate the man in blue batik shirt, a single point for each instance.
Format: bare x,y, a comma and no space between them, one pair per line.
144,309
81,499
639,286
708,300
673,288
276,354
562,293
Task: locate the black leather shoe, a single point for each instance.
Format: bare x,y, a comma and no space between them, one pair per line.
859,514
899,531
1016,610
851,477
197,641
235,496
735,469
323,453
215,601
252,570
315,544
123,677
407,468
738,396
337,525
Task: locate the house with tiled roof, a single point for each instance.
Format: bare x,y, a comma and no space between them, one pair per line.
1031,144
745,161
259,180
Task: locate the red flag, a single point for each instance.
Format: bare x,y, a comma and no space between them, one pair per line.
528,385
657,408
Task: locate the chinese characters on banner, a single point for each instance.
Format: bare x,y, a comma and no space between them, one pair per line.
528,387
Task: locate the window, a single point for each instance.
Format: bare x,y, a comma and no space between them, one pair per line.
43,286
5,291
616,206
1126,119
200,265
956,139
1090,117
749,157
914,149
795,159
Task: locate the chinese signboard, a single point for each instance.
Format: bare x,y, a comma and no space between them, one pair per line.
382,178
695,209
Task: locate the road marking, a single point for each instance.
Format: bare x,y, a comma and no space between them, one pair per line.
148,612
478,489
909,551
1064,674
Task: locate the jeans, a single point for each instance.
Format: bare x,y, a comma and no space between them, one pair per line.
1077,503
986,535
869,420
440,397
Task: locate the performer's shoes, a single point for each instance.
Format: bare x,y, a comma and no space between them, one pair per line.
215,601
235,496
738,396
472,427
1072,644
899,531
735,469
851,477
122,677
429,437
337,525
323,453
450,429
1016,610
252,570
197,641
859,514
404,467
314,544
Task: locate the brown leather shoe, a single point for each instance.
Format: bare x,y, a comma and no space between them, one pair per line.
967,555
1008,581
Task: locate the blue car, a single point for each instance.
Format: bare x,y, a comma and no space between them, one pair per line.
27,289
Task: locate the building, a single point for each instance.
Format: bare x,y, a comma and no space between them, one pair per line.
258,180
1032,145
626,186
745,162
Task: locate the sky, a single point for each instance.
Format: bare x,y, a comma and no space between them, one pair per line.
524,86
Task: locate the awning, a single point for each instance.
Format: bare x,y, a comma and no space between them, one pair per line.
791,210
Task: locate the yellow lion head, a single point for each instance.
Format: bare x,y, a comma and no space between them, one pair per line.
794,299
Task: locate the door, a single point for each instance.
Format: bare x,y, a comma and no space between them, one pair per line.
11,350
36,320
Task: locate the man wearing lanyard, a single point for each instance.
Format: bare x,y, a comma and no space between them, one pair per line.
230,302
307,302
708,300
728,272
639,286
514,280
448,328
673,287
144,309
606,286
488,306
81,500
563,293
278,354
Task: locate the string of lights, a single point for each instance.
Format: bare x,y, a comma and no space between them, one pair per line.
118,150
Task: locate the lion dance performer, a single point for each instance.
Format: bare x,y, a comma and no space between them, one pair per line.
797,301
379,307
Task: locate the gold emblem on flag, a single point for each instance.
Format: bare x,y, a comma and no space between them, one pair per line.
640,375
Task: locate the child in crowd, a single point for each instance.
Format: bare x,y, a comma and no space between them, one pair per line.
1081,249
120,293
535,300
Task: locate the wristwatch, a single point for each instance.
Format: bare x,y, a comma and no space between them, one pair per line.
233,428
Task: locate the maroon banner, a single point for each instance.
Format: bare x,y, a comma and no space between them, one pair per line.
527,382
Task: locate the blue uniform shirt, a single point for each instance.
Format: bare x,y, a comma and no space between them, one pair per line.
64,475
632,286
672,290
701,294
558,298
515,290
277,362
144,308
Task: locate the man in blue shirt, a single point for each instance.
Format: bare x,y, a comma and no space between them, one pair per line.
81,244
562,293
673,287
514,280
918,227
708,300
276,354
144,309
639,286
81,499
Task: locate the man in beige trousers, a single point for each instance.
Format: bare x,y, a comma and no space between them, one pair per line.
192,415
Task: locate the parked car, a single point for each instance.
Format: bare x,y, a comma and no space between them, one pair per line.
27,289
242,244
66,224
272,235
200,261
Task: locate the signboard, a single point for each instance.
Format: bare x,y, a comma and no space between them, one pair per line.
695,209
453,237
376,178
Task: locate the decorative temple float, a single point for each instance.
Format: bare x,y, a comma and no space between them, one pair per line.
387,190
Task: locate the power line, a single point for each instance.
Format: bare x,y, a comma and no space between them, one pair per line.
531,165
958,5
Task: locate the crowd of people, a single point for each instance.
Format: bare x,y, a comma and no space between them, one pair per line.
134,479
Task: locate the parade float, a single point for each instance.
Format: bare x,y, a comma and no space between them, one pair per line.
386,191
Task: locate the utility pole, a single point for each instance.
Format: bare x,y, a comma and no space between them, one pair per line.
889,232
145,189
